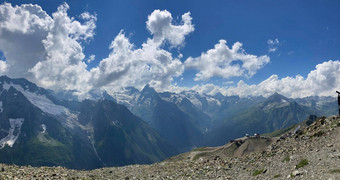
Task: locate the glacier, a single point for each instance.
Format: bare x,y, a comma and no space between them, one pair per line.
15,124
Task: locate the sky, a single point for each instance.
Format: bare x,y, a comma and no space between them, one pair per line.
234,47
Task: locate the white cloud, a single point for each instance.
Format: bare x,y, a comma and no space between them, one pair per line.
45,49
160,25
51,50
91,58
48,50
3,67
209,88
228,82
323,81
22,29
126,66
51,53
273,45
64,66
130,66
225,62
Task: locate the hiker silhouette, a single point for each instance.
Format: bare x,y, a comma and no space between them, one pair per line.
338,100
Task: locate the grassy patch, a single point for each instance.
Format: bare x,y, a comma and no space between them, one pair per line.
318,134
199,149
286,159
302,163
279,132
334,171
277,176
257,172
197,156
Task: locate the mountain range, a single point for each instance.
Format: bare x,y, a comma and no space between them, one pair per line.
42,127
39,129
220,118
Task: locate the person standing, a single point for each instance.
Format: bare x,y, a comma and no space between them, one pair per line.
338,101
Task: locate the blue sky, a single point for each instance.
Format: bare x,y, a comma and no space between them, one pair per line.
307,33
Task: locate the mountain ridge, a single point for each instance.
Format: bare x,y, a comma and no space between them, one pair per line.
47,132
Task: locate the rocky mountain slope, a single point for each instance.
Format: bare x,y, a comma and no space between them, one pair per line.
313,152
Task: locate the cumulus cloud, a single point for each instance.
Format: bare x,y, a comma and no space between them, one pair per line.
64,66
323,81
224,62
48,50
22,29
209,88
160,25
91,58
51,50
45,49
126,66
273,45
150,64
228,82
3,67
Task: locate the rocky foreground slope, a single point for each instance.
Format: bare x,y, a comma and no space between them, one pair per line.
312,153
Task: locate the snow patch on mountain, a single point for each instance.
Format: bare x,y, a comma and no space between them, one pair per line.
6,86
13,132
274,105
213,101
126,97
43,126
39,100
46,105
197,99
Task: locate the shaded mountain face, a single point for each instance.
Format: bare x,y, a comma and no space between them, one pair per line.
178,127
275,112
120,137
41,138
40,130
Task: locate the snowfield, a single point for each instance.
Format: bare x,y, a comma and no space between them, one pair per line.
39,100
15,126
46,105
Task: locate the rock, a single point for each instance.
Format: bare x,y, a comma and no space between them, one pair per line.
297,173
216,158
